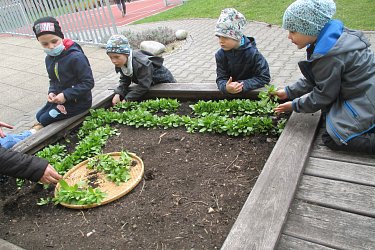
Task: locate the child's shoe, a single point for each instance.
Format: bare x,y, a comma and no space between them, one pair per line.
37,126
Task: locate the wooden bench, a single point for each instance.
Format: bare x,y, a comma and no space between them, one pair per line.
182,91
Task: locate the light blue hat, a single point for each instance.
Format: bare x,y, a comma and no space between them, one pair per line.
118,44
308,17
230,24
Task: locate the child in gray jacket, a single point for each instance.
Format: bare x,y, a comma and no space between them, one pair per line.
137,66
339,76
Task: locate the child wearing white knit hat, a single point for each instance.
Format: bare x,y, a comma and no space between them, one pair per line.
240,67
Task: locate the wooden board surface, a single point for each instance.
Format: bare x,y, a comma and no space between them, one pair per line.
345,171
340,195
321,151
195,91
260,221
292,243
330,227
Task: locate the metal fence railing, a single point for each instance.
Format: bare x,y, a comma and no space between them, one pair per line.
85,21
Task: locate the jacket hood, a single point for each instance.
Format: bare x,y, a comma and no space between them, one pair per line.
248,42
71,46
335,39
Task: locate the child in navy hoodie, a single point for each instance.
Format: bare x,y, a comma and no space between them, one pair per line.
240,67
69,71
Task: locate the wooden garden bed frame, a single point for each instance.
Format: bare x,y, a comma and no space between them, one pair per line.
262,217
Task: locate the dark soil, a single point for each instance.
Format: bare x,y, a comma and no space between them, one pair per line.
193,189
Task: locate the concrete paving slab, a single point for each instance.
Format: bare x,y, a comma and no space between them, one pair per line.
22,79
5,245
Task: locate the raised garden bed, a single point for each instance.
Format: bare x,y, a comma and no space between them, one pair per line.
193,189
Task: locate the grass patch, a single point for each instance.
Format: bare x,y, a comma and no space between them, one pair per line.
355,14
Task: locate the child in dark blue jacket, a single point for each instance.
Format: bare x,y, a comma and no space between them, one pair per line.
69,71
240,67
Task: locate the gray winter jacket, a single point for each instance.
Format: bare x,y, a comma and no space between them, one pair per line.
340,80
148,70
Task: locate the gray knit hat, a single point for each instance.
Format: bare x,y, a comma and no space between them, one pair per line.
308,17
230,24
118,44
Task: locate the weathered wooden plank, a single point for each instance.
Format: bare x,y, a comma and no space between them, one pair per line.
326,153
340,195
292,243
260,221
345,171
195,91
330,227
321,151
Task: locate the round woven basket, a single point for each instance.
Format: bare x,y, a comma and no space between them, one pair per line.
114,192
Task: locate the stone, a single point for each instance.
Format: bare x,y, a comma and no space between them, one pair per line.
153,47
181,34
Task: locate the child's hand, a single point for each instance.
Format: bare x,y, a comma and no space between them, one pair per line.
116,99
234,87
5,125
50,97
281,94
50,176
284,107
59,99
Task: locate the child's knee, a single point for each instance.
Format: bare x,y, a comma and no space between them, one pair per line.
49,117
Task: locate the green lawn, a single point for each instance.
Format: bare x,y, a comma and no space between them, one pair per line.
355,14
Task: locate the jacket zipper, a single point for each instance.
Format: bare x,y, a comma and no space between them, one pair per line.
335,131
351,109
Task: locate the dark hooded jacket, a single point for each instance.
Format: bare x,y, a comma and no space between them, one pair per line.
148,70
339,78
70,73
20,165
244,64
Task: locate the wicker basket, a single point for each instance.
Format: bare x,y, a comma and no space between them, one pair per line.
114,192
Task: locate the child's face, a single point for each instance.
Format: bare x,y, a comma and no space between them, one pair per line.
118,60
300,40
50,41
228,43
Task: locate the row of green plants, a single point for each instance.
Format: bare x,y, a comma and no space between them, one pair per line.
235,117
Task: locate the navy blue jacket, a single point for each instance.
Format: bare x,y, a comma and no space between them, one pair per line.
244,64
70,73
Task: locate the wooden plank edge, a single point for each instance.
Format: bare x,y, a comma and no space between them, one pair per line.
188,91
262,217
